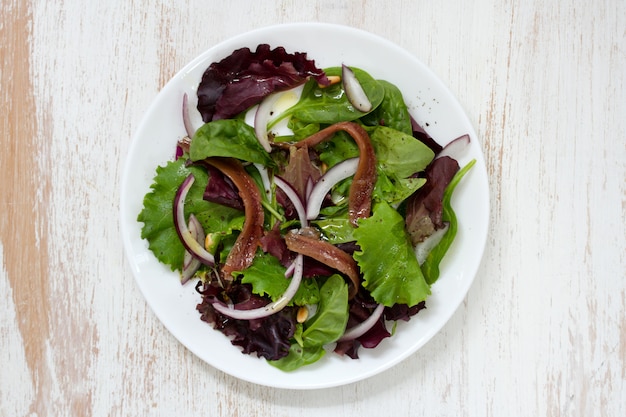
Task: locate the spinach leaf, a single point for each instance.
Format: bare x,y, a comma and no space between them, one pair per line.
328,324
330,105
398,153
298,357
392,112
338,148
430,267
331,318
229,138
398,157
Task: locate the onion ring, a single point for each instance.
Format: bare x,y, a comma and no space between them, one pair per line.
186,237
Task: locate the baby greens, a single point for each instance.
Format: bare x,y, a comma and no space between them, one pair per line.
228,138
380,248
328,324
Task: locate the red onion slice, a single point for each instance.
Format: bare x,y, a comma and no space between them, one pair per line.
354,91
455,148
186,119
187,239
271,308
195,228
290,269
362,328
191,264
295,199
265,178
423,248
337,173
309,188
261,119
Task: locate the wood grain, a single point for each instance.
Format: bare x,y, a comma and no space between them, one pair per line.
24,222
541,332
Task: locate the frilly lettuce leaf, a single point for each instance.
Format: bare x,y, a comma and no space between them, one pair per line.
267,277
157,213
396,277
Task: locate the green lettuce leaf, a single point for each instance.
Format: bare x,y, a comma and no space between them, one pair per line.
396,277
229,138
158,217
336,229
300,129
394,190
267,277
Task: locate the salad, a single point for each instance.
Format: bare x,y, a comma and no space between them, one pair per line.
309,208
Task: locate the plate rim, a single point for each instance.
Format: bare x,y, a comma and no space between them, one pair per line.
202,58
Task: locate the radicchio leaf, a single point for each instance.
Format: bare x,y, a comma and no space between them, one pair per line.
424,209
300,172
420,134
244,78
268,337
220,189
273,243
403,311
360,309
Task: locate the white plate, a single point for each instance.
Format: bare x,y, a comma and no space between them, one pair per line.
430,103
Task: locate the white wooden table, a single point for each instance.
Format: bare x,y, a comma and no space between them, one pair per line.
542,330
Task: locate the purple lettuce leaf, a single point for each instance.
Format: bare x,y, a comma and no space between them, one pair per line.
300,172
273,243
403,311
268,337
220,189
424,208
420,134
244,78
361,308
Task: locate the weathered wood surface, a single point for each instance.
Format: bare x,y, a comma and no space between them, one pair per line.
541,332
